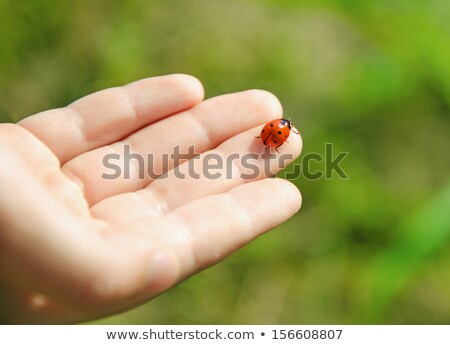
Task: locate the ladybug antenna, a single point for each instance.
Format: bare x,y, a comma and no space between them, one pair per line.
292,124
290,121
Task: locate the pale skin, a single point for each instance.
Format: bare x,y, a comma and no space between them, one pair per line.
75,246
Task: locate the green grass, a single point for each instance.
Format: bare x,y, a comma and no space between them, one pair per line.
371,77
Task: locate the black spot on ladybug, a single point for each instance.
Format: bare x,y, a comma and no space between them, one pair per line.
275,141
285,136
279,132
271,125
262,131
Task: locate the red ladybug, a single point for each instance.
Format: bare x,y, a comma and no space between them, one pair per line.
276,132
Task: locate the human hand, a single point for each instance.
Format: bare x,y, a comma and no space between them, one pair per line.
75,246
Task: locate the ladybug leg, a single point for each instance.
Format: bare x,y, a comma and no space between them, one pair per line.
276,148
295,131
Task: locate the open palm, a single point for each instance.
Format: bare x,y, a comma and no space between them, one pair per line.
75,245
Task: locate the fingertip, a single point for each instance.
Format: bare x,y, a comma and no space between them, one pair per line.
284,202
264,103
191,85
174,92
295,144
291,195
163,272
296,197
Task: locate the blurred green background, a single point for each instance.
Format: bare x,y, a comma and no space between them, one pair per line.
371,77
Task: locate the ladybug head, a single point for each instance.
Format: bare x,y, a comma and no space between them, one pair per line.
286,123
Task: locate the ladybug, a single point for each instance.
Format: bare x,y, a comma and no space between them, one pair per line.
276,132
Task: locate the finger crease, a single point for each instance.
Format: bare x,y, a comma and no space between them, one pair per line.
148,210
75,117
163,206
127,99
119,148
205,132
188,239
